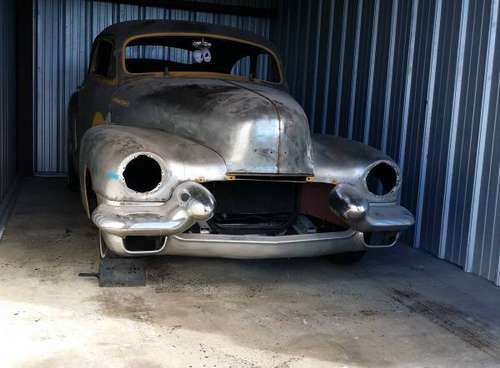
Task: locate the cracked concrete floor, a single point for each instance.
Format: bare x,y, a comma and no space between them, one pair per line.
398,308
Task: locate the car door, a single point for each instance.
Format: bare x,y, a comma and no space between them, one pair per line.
99,85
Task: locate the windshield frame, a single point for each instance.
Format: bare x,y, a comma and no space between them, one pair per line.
200,73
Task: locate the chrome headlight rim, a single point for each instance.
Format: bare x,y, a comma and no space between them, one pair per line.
163,178
397,179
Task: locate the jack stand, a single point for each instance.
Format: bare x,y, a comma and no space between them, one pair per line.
120,272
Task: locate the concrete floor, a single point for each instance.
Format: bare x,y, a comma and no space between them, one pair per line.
399,307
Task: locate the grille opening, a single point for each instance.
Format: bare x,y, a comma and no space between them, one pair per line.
381,179
142,174
380,238
269,209
143,243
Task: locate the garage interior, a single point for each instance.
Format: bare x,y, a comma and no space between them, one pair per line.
419,80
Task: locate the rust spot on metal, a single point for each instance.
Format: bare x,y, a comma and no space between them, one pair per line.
98,119
313,201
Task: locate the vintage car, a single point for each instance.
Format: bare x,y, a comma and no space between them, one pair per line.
184,141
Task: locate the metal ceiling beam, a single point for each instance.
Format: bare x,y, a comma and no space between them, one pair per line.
201,7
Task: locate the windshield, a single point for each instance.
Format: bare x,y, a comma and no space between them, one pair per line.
161,54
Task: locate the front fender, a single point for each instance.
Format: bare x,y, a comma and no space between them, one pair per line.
342,161
105,148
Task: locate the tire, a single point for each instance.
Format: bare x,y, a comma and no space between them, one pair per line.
347,258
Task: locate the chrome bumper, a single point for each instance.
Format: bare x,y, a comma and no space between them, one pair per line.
249,247
191,202
361,215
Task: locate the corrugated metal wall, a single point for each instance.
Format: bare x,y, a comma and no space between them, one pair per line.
65,31
7,96
420,80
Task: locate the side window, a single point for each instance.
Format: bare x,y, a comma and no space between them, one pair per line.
104,64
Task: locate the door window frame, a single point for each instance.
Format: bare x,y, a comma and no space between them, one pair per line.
113,62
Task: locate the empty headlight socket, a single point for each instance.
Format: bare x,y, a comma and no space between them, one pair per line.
382,178
142,173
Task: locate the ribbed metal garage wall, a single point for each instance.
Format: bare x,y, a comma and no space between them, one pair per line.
7,97
65,31
420,80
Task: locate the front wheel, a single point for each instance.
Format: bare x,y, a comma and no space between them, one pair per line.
347,258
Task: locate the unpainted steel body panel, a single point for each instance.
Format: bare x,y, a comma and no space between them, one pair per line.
255,129
105,149
203,129
343,161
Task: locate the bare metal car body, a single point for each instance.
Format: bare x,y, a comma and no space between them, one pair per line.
232,168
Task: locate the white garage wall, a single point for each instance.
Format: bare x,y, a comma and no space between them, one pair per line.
65,30
7,97
420,80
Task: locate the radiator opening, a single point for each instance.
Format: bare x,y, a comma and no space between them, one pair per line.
270,208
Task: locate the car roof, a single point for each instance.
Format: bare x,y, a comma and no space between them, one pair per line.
121,32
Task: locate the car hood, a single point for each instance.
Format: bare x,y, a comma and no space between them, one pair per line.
256,129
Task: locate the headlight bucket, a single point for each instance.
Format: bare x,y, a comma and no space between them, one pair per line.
143,172
382,178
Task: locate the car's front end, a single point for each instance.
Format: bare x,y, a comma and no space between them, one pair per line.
158,194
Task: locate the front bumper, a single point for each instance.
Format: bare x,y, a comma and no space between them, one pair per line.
249,247
352,207
191,202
